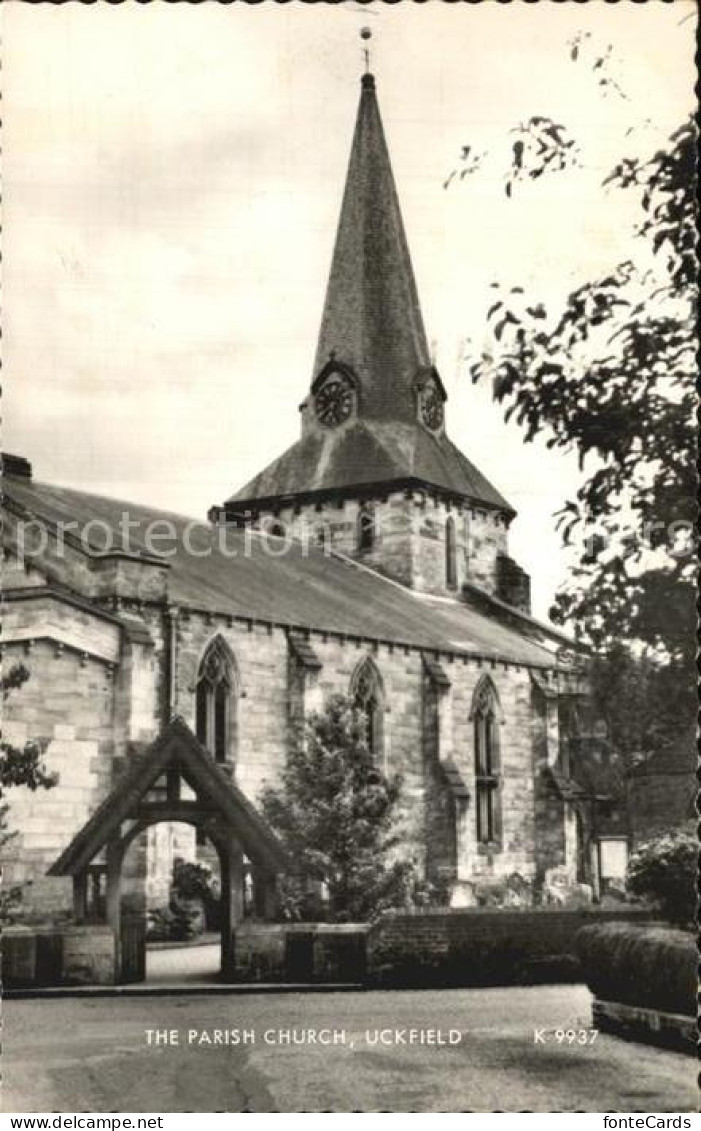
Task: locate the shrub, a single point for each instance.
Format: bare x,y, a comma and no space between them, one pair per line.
191,881
175,923
665,871
652,967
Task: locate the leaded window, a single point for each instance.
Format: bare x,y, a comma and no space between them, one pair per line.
214,701
487,776
366,691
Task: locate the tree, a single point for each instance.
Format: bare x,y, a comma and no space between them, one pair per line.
19,767
335,811
611,374
665,871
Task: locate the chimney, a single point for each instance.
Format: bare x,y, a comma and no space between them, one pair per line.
17,466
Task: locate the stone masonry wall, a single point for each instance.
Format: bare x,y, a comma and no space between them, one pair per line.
269,697
476,946
410,537
66,705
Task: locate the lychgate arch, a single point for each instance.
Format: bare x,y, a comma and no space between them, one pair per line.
176,780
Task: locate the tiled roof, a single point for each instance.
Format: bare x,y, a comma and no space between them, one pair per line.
372,319
369,453
372,328
232,572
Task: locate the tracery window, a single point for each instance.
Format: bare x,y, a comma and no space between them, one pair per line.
215,703
485,720
367,695
451,566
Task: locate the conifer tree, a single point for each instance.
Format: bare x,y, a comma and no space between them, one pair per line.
336,813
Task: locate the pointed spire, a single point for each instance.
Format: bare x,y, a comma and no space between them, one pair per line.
372,320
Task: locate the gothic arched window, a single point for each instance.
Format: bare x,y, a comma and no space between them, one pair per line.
368,698
451,565
486,716
366,527
215,702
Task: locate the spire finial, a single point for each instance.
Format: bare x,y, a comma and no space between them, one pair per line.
365,35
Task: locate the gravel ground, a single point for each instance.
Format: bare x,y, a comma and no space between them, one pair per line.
93,1055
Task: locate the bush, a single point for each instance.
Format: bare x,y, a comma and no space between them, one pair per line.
665,871
651,967
177,922
191,881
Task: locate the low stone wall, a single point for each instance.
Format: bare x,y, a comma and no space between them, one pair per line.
479,946
649,1026
300,952
35,956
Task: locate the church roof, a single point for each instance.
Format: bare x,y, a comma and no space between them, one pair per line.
372,319
233,572
369,453
372,329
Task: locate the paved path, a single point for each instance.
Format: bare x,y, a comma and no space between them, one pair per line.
93,1055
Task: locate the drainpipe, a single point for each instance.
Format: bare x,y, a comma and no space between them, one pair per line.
171,651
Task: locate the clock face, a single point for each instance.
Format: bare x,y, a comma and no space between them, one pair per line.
334,401
431,407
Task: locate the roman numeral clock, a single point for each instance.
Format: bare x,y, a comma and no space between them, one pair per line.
334,401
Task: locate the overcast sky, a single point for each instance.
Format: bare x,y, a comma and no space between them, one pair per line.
172,181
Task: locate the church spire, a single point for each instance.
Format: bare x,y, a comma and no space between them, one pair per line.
372,320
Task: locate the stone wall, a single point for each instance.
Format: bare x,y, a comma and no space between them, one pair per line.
300,952
482,947
66,706
410,537
271,692
71,955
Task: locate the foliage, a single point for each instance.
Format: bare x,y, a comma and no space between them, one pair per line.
177,922
631,334
19,767
647,966
335,812
191,880
645,703
611,375
665,871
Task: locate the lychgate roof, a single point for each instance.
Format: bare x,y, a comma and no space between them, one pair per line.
178,749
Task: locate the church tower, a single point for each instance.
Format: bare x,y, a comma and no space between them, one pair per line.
374,474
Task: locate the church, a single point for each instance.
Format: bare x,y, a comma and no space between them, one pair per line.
168,675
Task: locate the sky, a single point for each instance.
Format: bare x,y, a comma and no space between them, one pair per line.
172,181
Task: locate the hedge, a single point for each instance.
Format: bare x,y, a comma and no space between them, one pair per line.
647,966
481,946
